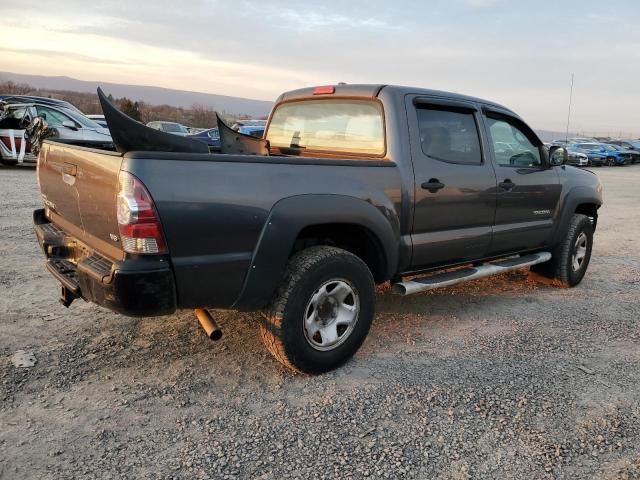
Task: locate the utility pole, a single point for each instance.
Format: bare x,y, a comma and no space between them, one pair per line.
566,138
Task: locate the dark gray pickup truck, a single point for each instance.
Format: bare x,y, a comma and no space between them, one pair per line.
357,185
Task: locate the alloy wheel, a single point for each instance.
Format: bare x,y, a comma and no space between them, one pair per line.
331,315
579,252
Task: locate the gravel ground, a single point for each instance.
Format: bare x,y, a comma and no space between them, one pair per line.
499,378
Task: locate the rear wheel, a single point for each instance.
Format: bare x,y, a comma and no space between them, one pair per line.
322,312
611,162
571,257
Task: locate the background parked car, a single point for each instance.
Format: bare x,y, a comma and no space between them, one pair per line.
170,127
615,157
629,144
592,150
211,137
254,130
14,99
634,154
577,159
67,122
99,119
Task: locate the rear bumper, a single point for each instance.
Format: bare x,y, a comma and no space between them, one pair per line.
137,287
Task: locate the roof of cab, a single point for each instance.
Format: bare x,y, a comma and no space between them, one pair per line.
373,90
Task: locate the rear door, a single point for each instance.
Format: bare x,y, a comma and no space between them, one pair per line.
454,184
528,189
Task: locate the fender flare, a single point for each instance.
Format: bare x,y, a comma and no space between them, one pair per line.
289,216
576,196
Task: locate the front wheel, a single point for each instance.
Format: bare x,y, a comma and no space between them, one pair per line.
571,257
611,162
322,312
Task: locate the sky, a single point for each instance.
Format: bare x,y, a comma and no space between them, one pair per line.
518,53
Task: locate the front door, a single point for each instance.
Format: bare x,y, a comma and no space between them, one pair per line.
454,185
528,188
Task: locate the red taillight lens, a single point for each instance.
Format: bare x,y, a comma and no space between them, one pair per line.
140,229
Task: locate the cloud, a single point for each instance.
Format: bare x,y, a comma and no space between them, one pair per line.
521,54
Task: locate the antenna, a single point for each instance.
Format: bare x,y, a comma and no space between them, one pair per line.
566,138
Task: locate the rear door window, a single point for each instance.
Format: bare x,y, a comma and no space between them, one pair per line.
343,126
449,136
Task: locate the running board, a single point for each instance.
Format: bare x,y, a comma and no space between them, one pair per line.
447,279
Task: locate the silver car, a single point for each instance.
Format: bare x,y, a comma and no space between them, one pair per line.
67,123
170,127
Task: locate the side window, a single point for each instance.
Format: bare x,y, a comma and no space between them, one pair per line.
52,117
449,136
511,146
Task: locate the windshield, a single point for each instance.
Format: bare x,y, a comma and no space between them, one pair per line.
335,126
80,118
174,127
609,148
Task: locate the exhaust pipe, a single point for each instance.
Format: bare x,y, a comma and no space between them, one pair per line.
208,324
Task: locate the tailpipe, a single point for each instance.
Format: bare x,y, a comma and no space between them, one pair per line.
208,324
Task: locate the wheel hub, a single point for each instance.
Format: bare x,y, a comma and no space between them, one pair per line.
579,252
331,315
328,309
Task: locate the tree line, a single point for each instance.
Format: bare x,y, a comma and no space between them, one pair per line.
199,116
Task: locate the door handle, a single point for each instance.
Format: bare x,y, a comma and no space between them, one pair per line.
69,169
433,185
507,185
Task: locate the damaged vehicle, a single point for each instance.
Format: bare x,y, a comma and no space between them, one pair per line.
65,122
351,186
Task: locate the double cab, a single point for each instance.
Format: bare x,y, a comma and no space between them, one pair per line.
358,185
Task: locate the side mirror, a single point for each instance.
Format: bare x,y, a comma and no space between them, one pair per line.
69,124
558,156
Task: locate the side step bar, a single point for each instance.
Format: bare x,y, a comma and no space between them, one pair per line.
447,279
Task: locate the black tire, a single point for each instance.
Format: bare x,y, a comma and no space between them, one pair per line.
611,162
283,328
561,266
8,163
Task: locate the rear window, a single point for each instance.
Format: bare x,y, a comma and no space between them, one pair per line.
334,126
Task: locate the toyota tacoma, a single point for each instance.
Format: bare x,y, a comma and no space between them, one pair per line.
351,186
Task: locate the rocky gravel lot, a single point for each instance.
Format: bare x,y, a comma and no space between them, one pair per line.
499,378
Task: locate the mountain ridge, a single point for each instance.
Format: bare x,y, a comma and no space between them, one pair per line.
150,94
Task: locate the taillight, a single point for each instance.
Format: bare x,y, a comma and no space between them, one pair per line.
140,230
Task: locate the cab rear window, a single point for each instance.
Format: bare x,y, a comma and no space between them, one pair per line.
344,126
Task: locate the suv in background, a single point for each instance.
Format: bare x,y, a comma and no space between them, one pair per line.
170,127
616,157
634,154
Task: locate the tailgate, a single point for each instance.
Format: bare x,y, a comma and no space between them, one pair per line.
79,188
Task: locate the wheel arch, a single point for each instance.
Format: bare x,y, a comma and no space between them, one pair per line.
294,223
580,199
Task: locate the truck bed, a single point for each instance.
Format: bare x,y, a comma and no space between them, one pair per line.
213,208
